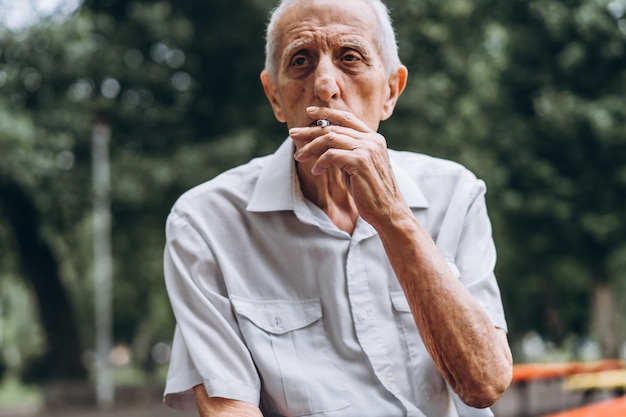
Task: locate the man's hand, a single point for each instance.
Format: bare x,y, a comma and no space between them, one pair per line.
359,153
223,407
471,354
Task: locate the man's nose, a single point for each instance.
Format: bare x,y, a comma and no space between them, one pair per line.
326,82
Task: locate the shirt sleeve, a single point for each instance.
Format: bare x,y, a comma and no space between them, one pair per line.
466,242
207,346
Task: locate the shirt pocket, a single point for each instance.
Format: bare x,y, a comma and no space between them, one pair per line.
293,356
428,384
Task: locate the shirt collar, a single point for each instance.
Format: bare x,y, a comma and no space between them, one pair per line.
408,187
275,188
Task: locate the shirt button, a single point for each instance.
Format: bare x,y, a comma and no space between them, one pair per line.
362,314
278,323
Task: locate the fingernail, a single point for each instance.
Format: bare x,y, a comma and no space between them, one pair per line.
298,156
312,109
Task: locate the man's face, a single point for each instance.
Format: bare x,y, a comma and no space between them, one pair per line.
328,57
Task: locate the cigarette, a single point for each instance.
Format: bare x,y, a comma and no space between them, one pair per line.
322,123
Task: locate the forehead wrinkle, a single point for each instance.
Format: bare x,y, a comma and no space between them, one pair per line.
360,46
328,40
297,45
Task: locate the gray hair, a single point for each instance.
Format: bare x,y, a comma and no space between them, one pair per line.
385,36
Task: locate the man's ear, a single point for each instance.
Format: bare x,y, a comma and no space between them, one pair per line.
397,83
271,92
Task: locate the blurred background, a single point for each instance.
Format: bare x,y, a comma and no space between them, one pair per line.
110,109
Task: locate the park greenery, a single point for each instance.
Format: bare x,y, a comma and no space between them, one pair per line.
529,94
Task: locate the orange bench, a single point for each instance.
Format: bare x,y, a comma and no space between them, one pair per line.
533,371
527,373
611,408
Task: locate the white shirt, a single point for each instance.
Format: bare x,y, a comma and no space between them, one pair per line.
277,306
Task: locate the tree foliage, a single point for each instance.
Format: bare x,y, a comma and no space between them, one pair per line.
530,95
565,89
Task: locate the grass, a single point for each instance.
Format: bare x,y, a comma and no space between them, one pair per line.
15,395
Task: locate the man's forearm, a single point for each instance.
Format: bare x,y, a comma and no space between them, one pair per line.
223,407
469,351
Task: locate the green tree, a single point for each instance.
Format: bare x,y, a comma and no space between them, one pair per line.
563,142
530,95
159,74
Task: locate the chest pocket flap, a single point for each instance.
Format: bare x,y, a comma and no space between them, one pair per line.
279,316
293,356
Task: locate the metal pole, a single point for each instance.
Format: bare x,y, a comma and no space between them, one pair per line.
1,324
102,269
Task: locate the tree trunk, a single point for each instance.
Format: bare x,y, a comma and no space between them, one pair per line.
604,318
40,268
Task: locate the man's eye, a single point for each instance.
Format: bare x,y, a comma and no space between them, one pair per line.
351,58
299,61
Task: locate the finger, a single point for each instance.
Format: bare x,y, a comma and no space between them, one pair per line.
333,136
306,134
332,158
318,145
337,117
350,161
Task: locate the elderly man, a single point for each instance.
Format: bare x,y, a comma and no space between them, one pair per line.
335,277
